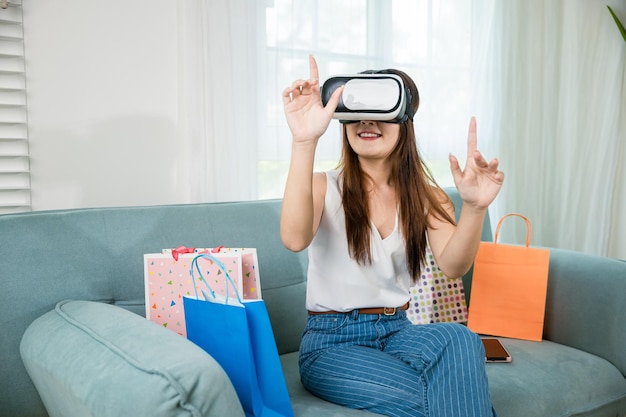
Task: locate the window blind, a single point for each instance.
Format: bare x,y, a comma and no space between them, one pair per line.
14,155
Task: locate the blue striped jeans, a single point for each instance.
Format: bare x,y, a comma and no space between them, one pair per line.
387,365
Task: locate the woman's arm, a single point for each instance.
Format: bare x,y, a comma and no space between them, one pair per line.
303,199
455,247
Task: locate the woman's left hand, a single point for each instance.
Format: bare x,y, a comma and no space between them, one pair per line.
480,181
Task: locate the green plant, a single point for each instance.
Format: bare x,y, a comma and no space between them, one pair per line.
619,24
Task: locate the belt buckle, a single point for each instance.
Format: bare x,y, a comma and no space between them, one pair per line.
389,311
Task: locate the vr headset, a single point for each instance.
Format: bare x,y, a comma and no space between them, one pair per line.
370,95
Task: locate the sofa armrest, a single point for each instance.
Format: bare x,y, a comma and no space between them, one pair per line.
95,359
586,305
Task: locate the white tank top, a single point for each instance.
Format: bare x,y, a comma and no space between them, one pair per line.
336,281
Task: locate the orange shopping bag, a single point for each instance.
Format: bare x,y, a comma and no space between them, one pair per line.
509,287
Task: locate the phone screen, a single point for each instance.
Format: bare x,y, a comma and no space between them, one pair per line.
495,351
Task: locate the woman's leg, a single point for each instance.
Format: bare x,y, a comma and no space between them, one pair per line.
341,362
389,366
450,360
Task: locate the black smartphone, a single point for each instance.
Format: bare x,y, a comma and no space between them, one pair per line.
495,351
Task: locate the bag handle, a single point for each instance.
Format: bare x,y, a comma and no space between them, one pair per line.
221,266
529,227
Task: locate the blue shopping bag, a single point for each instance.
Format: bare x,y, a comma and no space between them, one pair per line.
238,335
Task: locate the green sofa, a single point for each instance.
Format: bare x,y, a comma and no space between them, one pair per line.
97,355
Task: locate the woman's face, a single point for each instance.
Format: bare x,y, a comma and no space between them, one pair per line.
371,139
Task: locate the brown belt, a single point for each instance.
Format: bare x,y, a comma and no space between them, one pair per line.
387,311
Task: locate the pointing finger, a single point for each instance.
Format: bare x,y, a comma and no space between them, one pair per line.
313,71
471,137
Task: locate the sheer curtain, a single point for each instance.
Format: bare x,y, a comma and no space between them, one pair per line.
553,76
237,56
429,39
545,80
220,51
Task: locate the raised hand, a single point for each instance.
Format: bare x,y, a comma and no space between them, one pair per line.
306,116
480,181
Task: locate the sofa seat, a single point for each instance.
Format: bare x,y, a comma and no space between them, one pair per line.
94,355
546,378
525,387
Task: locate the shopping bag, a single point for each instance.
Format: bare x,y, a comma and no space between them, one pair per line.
167,280
509,287
237,333
251,280
435,298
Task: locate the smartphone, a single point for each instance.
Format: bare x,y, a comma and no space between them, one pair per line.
495,351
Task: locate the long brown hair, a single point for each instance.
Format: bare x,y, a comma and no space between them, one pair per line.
415,186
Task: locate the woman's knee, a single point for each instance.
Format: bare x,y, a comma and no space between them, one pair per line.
370,394
441,340
365,378
458,332
464,339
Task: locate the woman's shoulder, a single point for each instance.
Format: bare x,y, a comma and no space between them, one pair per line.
332,174
325,177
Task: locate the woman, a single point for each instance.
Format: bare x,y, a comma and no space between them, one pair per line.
366,227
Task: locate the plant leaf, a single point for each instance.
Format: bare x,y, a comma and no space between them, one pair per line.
619,24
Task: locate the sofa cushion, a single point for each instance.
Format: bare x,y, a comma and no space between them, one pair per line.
94,359
549,379
544,379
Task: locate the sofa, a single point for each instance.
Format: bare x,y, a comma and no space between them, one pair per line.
75,341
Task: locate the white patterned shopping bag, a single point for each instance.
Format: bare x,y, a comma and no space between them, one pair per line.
436,298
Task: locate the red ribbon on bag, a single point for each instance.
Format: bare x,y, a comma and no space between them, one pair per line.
180,250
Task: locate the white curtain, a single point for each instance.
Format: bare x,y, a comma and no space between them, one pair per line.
429,39
237,56
545,80
553,76
220,50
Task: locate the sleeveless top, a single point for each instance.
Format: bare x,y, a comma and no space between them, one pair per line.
338,282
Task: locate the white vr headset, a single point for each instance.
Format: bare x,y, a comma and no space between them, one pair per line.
370,96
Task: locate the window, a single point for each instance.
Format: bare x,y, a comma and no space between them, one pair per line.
14,160
429,39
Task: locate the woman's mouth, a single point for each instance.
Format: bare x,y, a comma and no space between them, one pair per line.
369,135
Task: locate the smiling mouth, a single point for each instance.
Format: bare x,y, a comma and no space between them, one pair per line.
369,135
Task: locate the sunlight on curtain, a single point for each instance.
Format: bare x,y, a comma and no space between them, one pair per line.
429,39
545,80
559,103
219,48
236,57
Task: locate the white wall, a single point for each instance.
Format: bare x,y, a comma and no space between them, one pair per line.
102,102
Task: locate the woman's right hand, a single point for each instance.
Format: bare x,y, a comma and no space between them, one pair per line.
306,116
303,200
